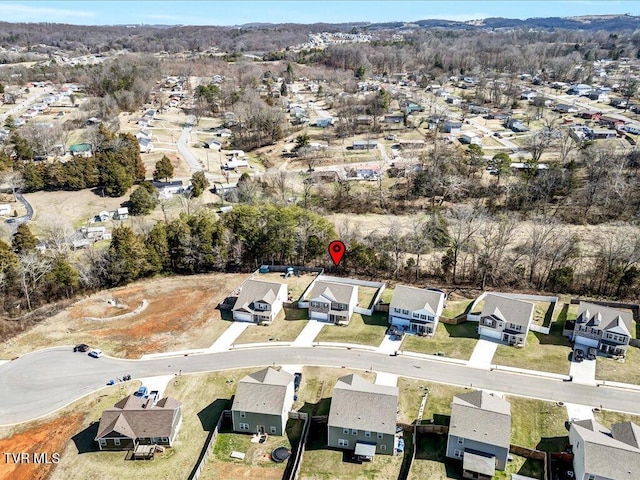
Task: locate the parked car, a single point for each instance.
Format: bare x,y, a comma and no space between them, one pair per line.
297,378
141,392
82,347
592,353
578,355
400,445
95,353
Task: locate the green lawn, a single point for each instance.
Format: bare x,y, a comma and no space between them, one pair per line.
537,424
606,418
438,406
457,307
456,341
284,328
362,329
365,296
549,353
625,370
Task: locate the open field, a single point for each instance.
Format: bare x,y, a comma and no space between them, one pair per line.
181,314
439,398
549,353
285,328
203,398
456,341
316,388
362,329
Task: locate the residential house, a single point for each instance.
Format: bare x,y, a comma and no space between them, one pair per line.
605,328
367,172
602,133
452,126
591,115
471,138
137,421
324,122
618,102
145,145
601,454
611,122
81,150
479,433
411,144
528,95
362,417
259,301
580,89
5,209
168,189
454,100
416,309
364,120
121,213
564,108
506,319
262,402
332,302
143,133
212,144
394,119
364,144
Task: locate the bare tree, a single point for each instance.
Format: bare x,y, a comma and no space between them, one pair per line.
14,180
32,266
464,223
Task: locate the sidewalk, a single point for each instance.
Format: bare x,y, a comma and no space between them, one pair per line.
389,379
229,336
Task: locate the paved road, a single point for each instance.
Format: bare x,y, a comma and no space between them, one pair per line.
183,146
25,218
41,382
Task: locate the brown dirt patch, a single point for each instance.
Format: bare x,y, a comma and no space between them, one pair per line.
48,437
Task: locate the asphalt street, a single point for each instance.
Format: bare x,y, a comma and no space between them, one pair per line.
25,218
42,382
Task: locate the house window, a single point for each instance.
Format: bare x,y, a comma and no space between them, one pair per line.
243,414
244,426
103,442
396,310
460,441
423,317
380,435
431,319
116,442
343,443
383,447
164,439
345,431
457,453
354,431
592,477
416,315
367,434
272,429
405,312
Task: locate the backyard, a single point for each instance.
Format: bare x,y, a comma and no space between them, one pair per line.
362,329
296,284
438,406
456,341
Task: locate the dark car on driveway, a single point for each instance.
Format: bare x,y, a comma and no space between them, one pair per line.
578,355
592,353
82,347
297,378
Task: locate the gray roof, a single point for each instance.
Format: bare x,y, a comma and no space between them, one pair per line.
508,309
134,417
332,292
262,392
256,290
361,405
482,417
604,318
412,299
609,454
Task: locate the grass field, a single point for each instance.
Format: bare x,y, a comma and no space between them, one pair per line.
362,329
549,353
203,398
284,328
181,314
456,341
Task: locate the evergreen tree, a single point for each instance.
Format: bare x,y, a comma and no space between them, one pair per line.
164,169
199,182
23,240
143,199
127,257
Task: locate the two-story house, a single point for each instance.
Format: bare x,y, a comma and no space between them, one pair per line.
259,301
605,328
506,319
262,402
479,433
362,417
332,302
416,309
137,421
600,454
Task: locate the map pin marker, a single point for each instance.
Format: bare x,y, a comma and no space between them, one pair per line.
336,250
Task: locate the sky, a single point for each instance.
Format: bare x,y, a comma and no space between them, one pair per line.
218,12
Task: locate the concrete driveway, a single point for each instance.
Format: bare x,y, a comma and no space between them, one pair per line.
583,372
309,333
483,353
389,344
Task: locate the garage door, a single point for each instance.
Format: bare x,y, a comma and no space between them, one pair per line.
400,322
487,332
319,316
242,317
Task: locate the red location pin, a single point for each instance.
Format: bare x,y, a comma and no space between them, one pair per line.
336,250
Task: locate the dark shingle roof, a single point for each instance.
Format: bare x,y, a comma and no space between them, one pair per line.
508,309
482,417
262,392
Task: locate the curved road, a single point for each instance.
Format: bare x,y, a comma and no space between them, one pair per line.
25,218
42,382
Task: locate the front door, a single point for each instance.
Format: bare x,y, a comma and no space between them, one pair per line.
261,429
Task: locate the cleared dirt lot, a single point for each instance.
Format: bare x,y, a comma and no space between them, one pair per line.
181,314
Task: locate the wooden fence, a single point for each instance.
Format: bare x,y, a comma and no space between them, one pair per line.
292,469
206,449
534,455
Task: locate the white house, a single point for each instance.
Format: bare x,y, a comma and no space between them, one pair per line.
145,145
259,301
416,309
121,213
471,138
5,209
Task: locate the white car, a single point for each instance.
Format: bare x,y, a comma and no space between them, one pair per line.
95,353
